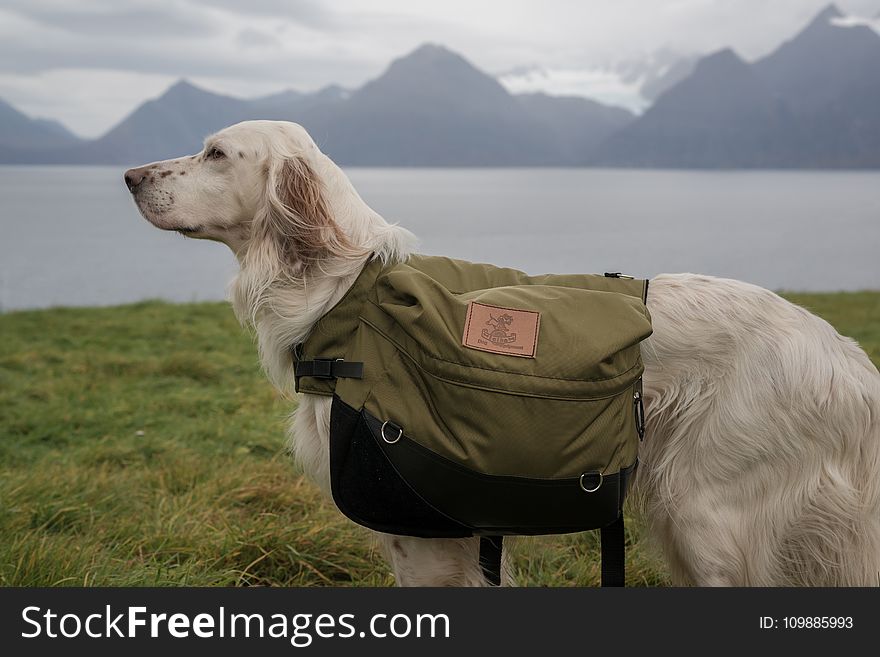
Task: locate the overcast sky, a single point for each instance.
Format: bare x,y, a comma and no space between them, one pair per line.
89,62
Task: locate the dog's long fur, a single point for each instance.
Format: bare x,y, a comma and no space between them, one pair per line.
761,463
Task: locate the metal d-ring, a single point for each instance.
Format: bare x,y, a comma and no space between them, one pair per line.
589,490
385,438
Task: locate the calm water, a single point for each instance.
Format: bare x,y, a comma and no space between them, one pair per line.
72,236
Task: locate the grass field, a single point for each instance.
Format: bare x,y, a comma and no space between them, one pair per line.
140,445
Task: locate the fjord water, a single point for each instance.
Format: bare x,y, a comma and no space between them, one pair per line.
72,236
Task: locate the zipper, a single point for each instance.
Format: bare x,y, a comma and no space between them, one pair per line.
516,393
639,410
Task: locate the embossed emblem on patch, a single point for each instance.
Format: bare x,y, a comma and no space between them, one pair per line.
501,330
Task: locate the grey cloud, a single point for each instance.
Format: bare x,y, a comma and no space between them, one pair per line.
171,37
304,12
155,19
182,59
250,37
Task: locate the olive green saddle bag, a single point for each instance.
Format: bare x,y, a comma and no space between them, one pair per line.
476,400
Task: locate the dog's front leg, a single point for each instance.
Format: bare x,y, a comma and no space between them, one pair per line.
435,561
414,561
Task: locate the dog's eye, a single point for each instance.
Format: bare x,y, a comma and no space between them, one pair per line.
215,154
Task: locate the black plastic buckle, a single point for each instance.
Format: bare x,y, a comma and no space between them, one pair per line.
322,368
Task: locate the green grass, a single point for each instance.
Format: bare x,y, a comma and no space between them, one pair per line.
141,445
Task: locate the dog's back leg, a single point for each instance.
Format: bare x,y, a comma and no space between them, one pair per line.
761,463
719,537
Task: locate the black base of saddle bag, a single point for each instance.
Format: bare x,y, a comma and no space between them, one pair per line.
370,478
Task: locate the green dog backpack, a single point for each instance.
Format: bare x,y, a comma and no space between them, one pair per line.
473,400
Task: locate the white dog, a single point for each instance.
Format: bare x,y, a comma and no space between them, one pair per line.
761,462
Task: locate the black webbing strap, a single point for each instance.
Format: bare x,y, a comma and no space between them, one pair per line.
613,558
329,368
613,555
490,558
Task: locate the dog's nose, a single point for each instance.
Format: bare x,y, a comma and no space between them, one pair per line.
133,177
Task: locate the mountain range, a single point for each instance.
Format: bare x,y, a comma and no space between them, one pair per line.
814,102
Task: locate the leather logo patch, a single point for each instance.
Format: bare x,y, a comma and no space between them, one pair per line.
501,330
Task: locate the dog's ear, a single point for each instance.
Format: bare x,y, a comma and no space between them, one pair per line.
298,218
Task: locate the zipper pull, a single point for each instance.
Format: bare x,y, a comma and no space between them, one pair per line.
639,410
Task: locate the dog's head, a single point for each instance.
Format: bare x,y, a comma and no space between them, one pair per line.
256,186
